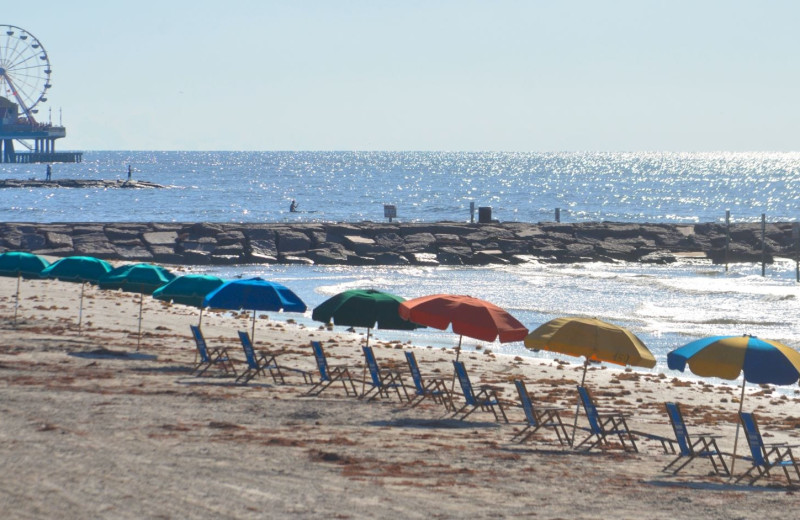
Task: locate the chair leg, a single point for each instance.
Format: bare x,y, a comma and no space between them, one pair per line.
502,412
721,463
689,458
521,433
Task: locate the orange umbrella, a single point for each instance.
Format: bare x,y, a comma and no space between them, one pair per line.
469,316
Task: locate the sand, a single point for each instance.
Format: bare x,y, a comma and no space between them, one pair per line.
133,434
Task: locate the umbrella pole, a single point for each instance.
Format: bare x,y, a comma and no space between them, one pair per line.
364,372
200,322
253,329
139,336
80,308
736,437
458,353
578,406
16,301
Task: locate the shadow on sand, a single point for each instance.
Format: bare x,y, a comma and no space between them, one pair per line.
434,423
104,353
718,486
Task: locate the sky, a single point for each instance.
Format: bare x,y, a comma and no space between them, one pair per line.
451,75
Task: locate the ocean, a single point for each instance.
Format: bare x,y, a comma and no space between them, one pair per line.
666,306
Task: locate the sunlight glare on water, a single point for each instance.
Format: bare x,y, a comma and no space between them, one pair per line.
425,186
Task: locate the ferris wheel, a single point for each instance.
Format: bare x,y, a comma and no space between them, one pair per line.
24,69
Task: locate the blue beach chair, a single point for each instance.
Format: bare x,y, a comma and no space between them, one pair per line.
704,446
435,388
538,418
330,374
258,362
766,457
217,357
484,399
603,425
383,380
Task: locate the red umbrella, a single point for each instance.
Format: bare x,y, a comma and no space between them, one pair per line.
469,316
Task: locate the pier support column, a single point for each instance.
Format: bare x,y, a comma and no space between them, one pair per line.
8,150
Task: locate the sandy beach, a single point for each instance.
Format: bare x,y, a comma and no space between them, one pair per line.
92,428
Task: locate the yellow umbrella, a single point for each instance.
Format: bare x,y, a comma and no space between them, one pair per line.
593,339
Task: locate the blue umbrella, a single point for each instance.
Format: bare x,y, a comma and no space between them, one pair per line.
140,278
189,289
21,264
760,361
79,269
254,294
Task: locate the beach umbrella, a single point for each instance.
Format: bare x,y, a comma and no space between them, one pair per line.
468,316
21,264
78,269
592,339
137,278
189,289
759,361
254,294
363,308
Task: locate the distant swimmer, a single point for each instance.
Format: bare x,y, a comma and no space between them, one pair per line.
293,206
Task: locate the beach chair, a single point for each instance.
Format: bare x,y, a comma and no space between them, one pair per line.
217,357
604,425
484,399
382,380
766,457
538,418
703,446
258,363
330,374
435,388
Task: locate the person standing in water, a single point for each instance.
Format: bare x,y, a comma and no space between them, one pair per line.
49,173
130,172
293,206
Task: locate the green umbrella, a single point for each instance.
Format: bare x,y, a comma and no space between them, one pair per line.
363,308
21,265
137,278
78,269
189,289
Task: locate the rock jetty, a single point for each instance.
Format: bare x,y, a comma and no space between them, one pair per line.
370,243
77,183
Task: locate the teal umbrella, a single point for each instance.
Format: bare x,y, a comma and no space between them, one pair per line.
137,278
21,265
189,289
78,269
